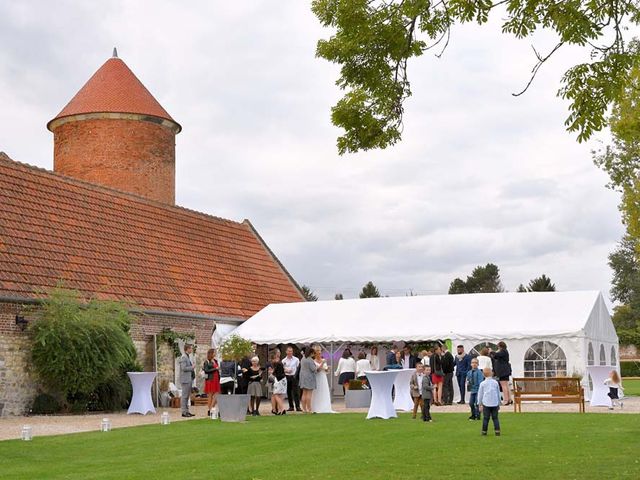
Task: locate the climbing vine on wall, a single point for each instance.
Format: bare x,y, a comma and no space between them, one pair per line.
171,338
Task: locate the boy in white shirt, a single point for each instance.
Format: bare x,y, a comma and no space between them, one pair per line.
489,401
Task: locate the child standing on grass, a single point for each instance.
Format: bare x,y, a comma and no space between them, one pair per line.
415,386
615,388
489,401
474,379
427,394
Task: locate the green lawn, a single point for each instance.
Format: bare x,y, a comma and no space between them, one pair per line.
631,387
344,446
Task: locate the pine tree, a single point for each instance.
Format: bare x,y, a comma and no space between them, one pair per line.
369,291
308,294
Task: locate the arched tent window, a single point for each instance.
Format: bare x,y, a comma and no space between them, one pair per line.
590,356
614,359
545,359
475,351
603,356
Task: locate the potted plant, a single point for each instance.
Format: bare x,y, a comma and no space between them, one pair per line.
358,396
233,408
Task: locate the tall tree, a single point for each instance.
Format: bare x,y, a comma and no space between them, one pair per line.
621,159
308,294
339,296
374,40
369,291
482,280
538,284
625,285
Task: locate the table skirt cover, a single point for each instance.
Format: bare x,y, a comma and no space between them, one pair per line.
403,400
381,402
599,374
141,401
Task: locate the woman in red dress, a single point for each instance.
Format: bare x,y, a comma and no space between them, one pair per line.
212,379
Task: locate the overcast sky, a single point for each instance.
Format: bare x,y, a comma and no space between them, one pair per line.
480,176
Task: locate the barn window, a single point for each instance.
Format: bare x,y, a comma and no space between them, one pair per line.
614,360
475,351
603,356
590,356
545,359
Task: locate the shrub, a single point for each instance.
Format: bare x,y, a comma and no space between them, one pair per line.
79,348
45,404
630,368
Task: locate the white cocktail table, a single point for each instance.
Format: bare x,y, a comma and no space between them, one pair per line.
141,401
599,374
381,402
403,400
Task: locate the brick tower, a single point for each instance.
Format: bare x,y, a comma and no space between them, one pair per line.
114,133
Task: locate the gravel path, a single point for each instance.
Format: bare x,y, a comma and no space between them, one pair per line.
10,427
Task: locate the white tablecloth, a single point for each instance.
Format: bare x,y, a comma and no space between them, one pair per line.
599,392
381,401
403,400
141,401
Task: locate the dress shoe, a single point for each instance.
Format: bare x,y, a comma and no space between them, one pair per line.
298,409
290,409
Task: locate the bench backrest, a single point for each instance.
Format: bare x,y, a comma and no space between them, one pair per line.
551,385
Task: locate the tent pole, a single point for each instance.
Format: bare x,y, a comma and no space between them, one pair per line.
331,372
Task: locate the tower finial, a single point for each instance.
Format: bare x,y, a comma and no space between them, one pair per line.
115,53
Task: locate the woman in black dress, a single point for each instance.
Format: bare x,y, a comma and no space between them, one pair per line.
502,370
254,389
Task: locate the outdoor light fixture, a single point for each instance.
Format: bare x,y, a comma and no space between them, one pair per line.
164,419
105,426
21,322
27,433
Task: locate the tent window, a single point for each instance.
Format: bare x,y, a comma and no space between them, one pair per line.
603,356
613,357
475,351
590,356
545,359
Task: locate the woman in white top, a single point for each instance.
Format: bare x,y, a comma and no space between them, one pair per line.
615,388
373,359
484,360
346,370
362,365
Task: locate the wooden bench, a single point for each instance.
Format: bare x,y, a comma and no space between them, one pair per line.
552,389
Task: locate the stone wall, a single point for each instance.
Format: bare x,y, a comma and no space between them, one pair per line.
18,385
629,352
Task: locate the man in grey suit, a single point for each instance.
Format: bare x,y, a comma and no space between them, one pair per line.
187,374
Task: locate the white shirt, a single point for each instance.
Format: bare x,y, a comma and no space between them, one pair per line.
346,365
374,361
419,378
405,361
362,366
484,362
426,361
290,365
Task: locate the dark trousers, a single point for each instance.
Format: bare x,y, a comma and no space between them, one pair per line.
493,413
426,409
462,382
293,391
447,389
226,388
475,412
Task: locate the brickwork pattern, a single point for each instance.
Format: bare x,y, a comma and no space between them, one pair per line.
129,155
19,386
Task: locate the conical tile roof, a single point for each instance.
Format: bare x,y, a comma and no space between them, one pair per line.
114,88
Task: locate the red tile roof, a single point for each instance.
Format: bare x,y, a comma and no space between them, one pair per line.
114,88
118,246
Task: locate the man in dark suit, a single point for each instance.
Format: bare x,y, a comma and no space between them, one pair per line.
409,360
447,368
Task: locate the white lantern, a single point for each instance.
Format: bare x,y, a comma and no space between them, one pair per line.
164,418
105,426
27,433
214,413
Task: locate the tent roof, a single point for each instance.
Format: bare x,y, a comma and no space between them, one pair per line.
475,317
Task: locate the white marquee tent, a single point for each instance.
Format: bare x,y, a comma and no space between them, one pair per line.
547,333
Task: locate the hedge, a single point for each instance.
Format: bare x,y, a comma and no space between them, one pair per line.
630,368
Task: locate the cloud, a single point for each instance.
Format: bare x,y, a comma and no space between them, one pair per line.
480,176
